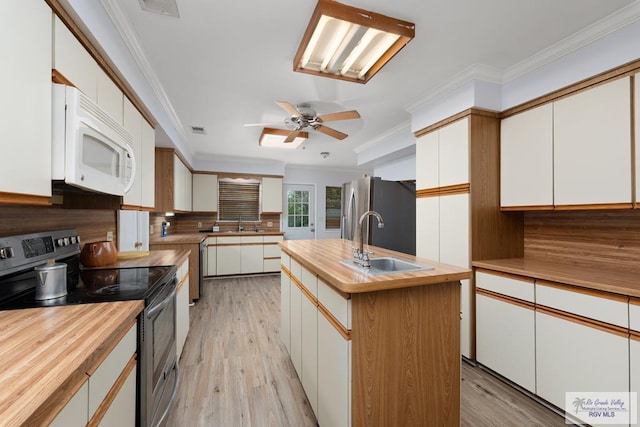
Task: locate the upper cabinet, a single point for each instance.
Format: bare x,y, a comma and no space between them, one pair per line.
205,192
526,163
172,181
572,153
142,193
444,156
25,104
271,195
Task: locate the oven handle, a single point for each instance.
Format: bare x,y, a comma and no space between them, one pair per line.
173,394
155,310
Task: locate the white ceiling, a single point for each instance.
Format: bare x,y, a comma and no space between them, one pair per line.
224,63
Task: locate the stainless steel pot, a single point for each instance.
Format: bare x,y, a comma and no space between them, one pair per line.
51,281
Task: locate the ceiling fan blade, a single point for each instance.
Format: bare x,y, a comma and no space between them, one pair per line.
331,132
288,108
292,135
343,115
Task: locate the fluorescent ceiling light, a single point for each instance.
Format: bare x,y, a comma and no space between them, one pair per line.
348,43
274,138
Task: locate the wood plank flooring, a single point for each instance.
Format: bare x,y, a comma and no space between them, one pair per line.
235,371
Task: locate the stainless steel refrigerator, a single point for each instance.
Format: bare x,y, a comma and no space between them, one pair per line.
394,200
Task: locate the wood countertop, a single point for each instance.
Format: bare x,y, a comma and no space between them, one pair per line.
154,258
613,279
323,258
174,239
47,353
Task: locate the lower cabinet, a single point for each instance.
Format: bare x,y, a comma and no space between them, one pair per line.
271,253
251,255
285,302
228,256
108,396
295,321
212,256
182,307
244,255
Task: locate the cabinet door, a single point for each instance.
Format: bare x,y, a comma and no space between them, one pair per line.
228,260
334,376
74,414
505,339
182,316
296,328
272,195
25,104
148,165
526,158
110,96
251,258
122,411
569,355
205,192
592,146
133,124
73,61
285,311
309,353
212,258
427,159
453,153
428,228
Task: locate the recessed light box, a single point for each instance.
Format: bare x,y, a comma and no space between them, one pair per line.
163,7
274,138
348,43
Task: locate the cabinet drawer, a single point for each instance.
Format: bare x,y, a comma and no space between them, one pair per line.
296,269
285,260
272,239
593,305
109,370
337,305
228,240
271,251
75,412
634,314
310,281
212,240
251,239
521,288
271,265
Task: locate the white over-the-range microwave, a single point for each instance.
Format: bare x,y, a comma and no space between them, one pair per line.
90,149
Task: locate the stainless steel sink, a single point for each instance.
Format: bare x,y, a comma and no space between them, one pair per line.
386,265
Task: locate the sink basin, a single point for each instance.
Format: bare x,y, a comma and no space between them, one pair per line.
386,265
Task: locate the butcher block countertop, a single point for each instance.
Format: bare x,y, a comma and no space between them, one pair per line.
181,238
323,257
47,353
608,279
154,258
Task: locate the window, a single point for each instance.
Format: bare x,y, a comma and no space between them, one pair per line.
297,209
333,207
238,198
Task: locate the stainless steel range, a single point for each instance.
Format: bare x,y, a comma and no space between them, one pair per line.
24,257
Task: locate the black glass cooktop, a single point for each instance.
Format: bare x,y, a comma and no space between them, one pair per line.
86,286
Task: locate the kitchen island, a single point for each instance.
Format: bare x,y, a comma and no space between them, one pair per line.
369,349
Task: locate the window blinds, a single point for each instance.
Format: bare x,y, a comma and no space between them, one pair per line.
238,199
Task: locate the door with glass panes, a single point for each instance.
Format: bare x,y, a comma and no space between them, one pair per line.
299,212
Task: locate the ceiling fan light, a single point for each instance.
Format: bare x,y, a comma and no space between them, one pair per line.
274,138
335,31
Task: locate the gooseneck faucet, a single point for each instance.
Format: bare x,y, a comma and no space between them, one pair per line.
361,257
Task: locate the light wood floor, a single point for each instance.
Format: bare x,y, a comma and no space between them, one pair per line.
235,371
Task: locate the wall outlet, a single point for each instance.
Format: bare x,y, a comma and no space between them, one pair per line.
151,229
269,224
110,236
199,225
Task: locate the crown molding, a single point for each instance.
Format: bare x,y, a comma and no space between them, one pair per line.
124,28
383,137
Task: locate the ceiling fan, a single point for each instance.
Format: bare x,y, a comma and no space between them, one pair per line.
302,116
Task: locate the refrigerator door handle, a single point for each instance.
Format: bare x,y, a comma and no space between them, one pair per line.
350,226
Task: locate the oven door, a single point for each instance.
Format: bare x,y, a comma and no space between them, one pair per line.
159,370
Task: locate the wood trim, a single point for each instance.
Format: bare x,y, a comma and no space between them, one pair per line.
46,413
595,324
271,257
634,335
24,199
634,301
449,190
304,290
109,348
505,298
346,334
270,213
58,77
526,208
584,291
183,281
456,117
594,206
286,271
66,18
113,393
137,208
506,275
626,70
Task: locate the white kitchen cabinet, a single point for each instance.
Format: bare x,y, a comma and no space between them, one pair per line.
182,186
309,344
74,414
25,104
182,307
295,324
428,228
592,146
73,61
109,97
427,160
122,411
228,255
571,353
526,158
334,376
251,254
133,124
212,256
205,192
285,302
453,153
271,253
271,195
133,231
505,327
147,165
